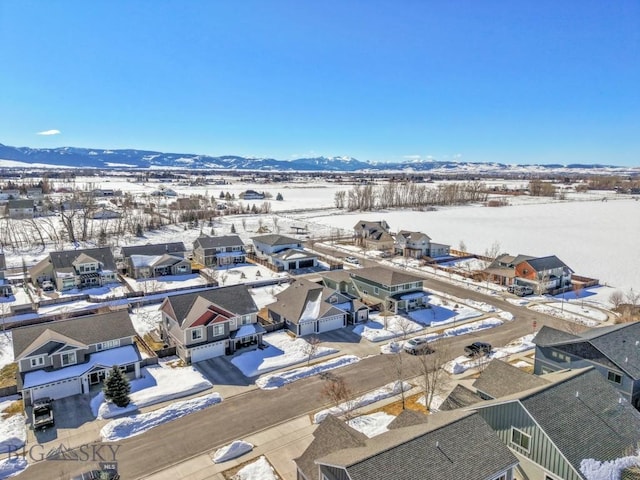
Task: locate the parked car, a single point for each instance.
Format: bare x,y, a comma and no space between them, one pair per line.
42,413
418,345
520,290
477,348
353,260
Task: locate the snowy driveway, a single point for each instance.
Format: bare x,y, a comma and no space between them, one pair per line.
220,371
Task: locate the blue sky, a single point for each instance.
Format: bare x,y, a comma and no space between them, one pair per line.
540,81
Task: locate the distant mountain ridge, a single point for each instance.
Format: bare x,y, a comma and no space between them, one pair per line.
147,159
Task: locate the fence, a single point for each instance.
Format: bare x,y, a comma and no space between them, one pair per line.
265,263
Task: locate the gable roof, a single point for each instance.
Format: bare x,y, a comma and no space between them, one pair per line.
547,263
500,379
155,249
275,239
446,448
87,330
207,242
412,236
407,418
459,397
304,300
66,258
582,415
235,299
366,225
330,435
384,276
619,344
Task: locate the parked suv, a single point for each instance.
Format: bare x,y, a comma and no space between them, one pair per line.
477,348
353,260
418,345
520,290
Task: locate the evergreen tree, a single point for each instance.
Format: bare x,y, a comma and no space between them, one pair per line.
102,238
116,387
233,228
139,231
221,196
279,197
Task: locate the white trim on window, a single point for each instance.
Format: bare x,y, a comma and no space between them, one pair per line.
197,334
36,361
520,439
68,358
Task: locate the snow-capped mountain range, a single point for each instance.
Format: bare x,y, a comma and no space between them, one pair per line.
72,157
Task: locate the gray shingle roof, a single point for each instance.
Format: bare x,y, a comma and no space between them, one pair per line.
546,263
451,446
274,239
407,418
584,419
413,236
215,242
617,343
500,379
385,276
459,397
65,259
87,329
292,302
155,249
235,299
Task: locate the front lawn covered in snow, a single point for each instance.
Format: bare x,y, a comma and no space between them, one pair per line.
282,351
372,424
158,383
137,424
261,469
277,380
383,327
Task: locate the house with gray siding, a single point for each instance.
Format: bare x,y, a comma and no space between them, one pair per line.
418,245
551,428
307,308
447,446
373,235
67,357
218,251
284,252
390,289
614,351
210,323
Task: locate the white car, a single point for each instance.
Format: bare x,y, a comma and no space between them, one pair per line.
353,260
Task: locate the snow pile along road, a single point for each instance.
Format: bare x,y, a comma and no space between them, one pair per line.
277,380
231,451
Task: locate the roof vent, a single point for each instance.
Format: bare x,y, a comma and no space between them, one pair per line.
637,342
577,394
626,359
437,444
620,400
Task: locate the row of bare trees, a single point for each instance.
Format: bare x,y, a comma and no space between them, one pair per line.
409,195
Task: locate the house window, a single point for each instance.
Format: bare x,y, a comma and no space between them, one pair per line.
614,377
108,344
37,362
196,334
218,330
246,319
501,477
519,438
68,358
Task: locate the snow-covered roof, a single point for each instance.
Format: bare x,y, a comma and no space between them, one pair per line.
107,358
411,296
247,330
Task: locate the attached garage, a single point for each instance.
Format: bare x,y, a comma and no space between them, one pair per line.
60,389
306,263
205,352
306,328
331,323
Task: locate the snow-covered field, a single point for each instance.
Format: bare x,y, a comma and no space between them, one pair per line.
158,383
282,351
126,427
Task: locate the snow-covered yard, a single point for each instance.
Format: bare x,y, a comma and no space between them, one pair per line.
277,380
13,432
126,427
6,348
380,327
169,282
372,424
258,470
582,314
159,383
282,351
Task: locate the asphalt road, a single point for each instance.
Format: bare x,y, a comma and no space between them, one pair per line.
256,410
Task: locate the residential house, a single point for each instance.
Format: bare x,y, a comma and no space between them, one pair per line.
9,194
306,308
210,323
373,235
614,351
147,261
67,357
105,214
448,446
35,193
22,208
285,252
418,245
542,274
218,251
252,195
392,290
552,428
70,269
5,286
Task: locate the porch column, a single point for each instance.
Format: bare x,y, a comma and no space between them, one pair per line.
137,369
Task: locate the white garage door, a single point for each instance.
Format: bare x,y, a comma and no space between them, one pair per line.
207,351
331,323
61,389
307,328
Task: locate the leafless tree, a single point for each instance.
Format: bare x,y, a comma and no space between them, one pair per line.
276,226
632,297
398,368
578,288
338,393
616,298
405,326
432,376
311,348
493,251
339,198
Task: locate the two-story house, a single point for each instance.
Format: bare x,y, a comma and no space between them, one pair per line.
447,446
21,208
67,357
373,235
306,308
285,252
5,286
210,323
70,269
542,274
147,261
418,245
614,351
390,289
218,251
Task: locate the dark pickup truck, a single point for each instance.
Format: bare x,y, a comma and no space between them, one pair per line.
42,415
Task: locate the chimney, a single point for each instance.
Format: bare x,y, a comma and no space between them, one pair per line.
577,394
